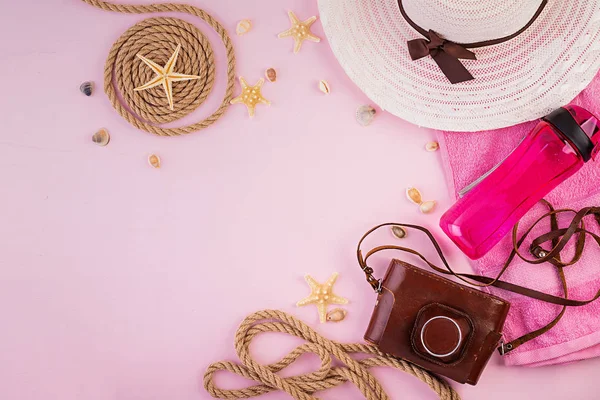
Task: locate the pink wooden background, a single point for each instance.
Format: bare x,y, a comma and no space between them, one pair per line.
122,282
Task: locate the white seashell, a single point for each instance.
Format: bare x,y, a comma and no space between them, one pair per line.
243,27
414,195
324,87
365,115
154,160
336,315
101,138
398,231
427,206
432,146
271,74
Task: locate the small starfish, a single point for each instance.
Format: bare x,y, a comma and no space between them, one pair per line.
322,295
165,75
300,31
251,95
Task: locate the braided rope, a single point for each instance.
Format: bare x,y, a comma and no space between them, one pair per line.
156,39
302,387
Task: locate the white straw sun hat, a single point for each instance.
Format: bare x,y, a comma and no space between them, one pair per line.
532,56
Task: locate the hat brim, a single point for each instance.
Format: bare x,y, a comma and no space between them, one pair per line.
522,79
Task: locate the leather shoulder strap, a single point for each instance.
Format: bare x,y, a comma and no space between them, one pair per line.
558,237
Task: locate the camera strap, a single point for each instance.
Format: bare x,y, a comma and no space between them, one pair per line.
556,237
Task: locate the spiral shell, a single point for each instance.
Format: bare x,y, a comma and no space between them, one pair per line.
432,146
365,115
101,138
86,88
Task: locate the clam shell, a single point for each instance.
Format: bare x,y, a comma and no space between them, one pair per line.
101,138
271,74
336,315
243,27
427,206
324,87
414,195
432,146
365,115
86,88
154,160
398,231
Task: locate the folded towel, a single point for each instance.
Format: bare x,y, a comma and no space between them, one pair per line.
577,335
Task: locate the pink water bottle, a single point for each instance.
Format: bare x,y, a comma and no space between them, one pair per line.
553,151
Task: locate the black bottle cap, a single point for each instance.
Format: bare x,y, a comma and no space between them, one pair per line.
564,122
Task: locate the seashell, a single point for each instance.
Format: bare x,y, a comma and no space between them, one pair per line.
243,27
324,87
365,115
154,160
101,138
432,146
336,315
427,206
271,74
414,195
398,231
86,88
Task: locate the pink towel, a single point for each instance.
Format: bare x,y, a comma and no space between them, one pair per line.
577,335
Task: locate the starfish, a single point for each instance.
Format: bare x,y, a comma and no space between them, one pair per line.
300,31
251,95
165,75
322,295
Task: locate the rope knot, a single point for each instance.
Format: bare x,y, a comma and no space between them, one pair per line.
156,38
303,387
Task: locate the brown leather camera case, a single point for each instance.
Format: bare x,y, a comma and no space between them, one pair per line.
445,327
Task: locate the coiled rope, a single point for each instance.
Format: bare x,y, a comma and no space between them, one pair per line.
156,39
302,387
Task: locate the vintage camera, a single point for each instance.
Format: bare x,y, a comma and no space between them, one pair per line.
442,326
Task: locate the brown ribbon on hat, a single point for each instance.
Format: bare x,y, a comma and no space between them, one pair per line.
447,54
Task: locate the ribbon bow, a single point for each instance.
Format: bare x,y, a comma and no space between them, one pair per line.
445,53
